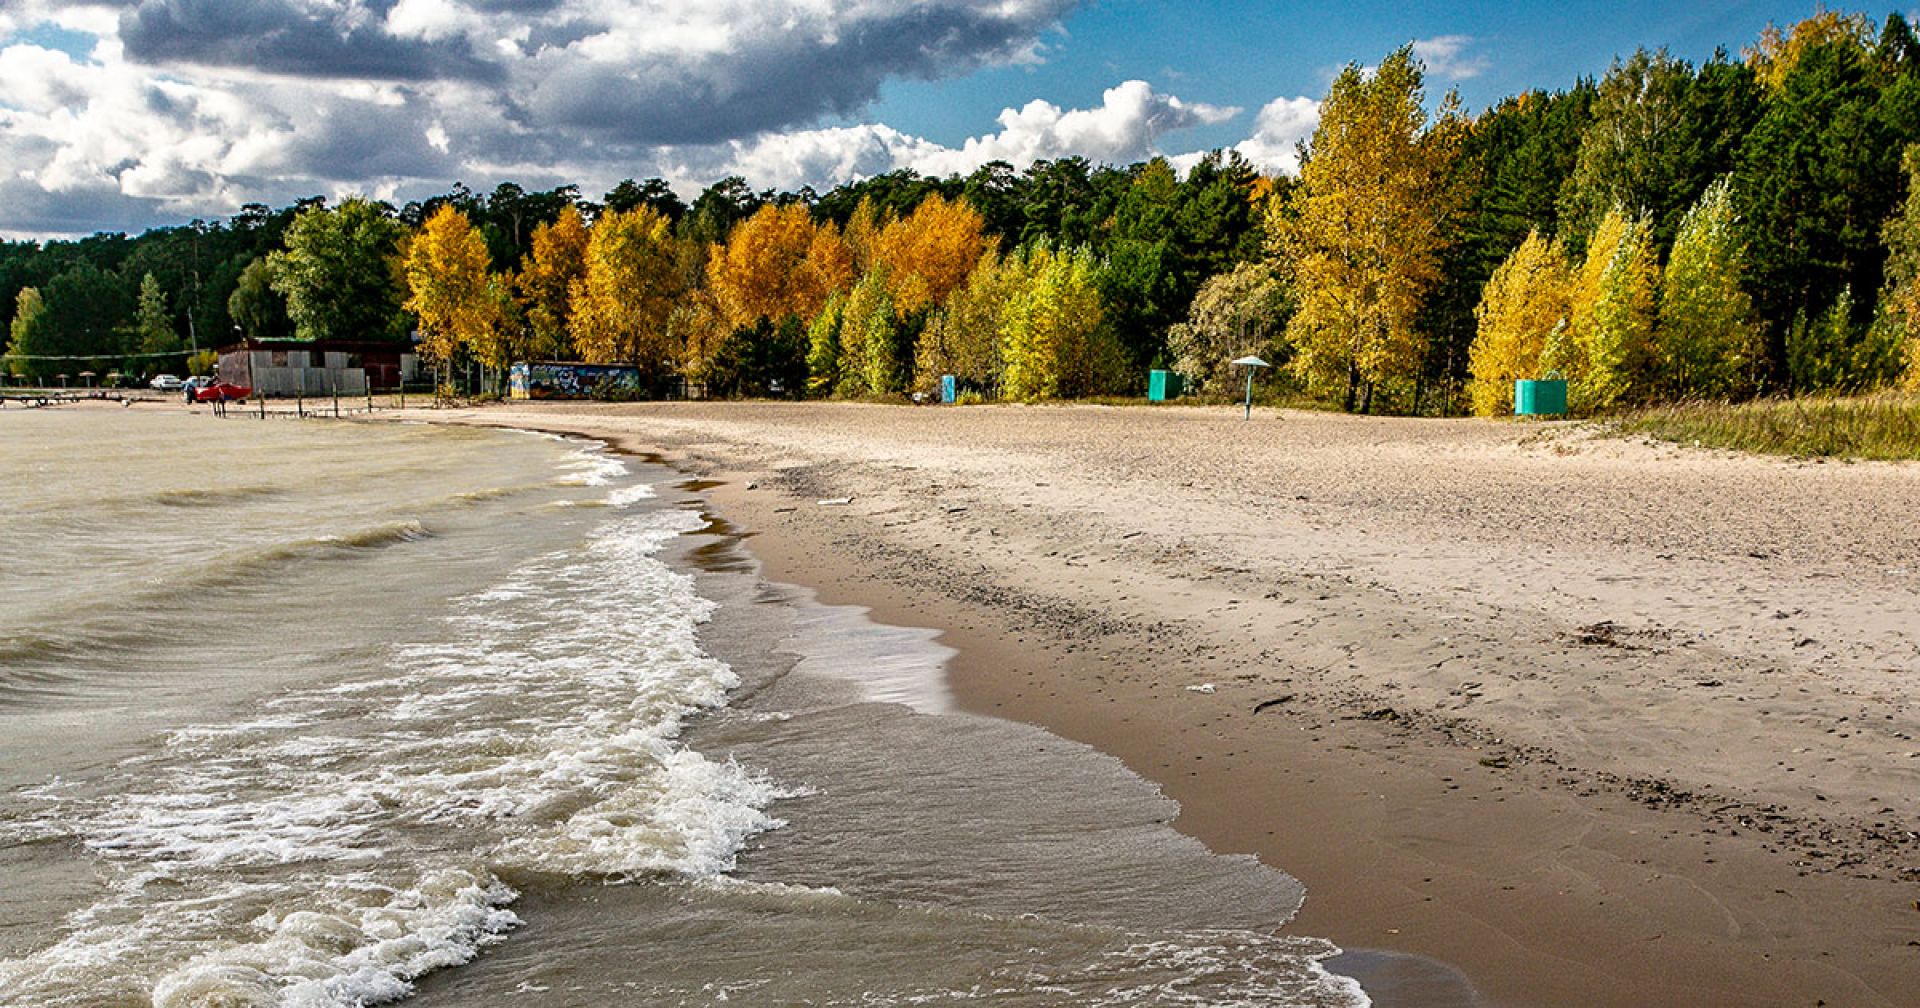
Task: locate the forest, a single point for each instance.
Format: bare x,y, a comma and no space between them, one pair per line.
1669,233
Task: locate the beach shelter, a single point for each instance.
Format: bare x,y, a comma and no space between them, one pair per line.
1253,365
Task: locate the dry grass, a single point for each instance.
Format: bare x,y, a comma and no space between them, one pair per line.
1883,426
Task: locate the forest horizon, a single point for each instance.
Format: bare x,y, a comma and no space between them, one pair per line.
1667,232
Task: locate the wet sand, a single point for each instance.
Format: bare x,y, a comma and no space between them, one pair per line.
1595,722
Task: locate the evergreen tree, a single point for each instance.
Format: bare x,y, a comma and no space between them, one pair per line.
654,192
86,316
1817,177
1659,136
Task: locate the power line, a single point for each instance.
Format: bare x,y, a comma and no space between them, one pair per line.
97,356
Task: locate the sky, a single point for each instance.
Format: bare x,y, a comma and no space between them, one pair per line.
118,115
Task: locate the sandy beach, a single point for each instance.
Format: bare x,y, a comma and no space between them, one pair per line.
1596,722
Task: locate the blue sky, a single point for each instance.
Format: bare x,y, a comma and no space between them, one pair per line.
121,114
1240,52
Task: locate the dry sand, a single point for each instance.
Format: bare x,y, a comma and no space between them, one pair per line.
1599,722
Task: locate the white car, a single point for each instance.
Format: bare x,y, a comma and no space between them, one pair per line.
166,383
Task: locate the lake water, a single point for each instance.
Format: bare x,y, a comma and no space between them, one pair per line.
321,713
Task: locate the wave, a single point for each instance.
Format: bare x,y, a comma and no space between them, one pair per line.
110,629
352,837
194,497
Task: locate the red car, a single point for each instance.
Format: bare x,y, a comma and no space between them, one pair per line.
220,392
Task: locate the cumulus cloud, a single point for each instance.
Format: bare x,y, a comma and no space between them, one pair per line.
179,97
191,107
1449,57
1282,125
1125,127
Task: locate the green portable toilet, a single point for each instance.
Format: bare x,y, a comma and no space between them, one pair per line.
1163,385
1545,397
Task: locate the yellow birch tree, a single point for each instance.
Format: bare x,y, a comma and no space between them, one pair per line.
451,290
931,251
759,272
1524,302
621,306
963,338
554,263
1708,340
1898,313
1364,229
1051,335
1607,353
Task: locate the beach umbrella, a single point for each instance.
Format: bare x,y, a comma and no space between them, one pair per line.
1253,365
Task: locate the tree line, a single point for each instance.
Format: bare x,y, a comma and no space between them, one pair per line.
1747,226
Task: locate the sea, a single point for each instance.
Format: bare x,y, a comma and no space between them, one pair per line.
327,713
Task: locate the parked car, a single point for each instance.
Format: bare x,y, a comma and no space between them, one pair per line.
167,383
220,391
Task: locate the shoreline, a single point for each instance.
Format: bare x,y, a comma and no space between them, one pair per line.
1414,832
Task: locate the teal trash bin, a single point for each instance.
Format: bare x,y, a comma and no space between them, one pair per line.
1545,397
948,389
1163,385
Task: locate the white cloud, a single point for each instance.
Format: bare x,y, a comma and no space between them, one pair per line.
142,137
1447,57
1281,126
1125,127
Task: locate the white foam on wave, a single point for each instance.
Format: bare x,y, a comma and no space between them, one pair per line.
591,465
331,850
628,496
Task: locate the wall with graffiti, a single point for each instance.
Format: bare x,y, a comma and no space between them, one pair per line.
573,381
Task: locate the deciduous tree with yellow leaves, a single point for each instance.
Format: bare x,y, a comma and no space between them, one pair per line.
1524,303
1364,229
778,263
621,306
963,339
1708,343
1777,52
1607,351
556,261
930,252
1898,318
459,301
1053,344
869,327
